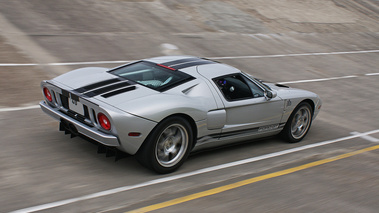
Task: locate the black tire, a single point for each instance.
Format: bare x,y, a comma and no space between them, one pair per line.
167,146
298,124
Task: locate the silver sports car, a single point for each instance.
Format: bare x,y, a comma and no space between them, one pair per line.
160,109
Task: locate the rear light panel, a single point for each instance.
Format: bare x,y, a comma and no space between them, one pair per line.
104,121
47,94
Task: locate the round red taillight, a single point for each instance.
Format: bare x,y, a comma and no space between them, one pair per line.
104,121
47,94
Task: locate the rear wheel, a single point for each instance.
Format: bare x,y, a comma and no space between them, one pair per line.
298,124
167,146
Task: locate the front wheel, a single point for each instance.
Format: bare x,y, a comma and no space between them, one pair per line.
167,146
298,123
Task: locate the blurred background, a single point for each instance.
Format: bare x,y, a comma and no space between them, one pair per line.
333,42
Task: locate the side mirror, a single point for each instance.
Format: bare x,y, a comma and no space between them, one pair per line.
270,94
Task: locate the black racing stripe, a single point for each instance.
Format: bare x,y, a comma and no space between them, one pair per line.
116,92
238,132
208,137
96,85
191,64
107,89
180,61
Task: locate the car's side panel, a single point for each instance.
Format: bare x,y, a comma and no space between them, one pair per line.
252,113
248,113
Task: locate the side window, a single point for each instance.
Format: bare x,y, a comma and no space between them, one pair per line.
237,87
257,92
233,87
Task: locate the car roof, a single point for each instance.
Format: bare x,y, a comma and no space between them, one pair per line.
195,65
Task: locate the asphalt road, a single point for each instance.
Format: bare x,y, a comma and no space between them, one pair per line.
332,50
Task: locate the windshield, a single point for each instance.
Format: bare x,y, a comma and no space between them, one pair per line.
151,75
263,84
258,81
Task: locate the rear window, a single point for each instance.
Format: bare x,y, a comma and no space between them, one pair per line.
151,75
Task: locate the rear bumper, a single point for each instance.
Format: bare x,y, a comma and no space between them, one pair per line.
91,132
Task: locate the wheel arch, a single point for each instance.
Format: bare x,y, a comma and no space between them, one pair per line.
191,121
188,118
310,102
285,133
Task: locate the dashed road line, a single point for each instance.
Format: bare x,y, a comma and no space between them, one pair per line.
215,58
16,65
228,187
366,137
63,64
295,55
189,174
87,63
319,79
11,109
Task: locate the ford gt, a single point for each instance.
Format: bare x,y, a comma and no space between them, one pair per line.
161,109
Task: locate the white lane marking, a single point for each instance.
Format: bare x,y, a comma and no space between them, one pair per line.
10,109
319,79
170,49
216,58
369,74
366,137
87,63
255,37
65,64
180,176
16,65
296,54
169,46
